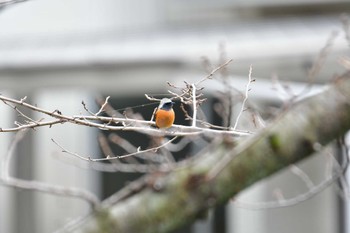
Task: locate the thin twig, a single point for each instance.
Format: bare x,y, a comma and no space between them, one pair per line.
130,148
151,98
247,89
72,224
139,151
103,106
303,176
213,72
346,27
345,61
318,64
194,104
112,167
10,152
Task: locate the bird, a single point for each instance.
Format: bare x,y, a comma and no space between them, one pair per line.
165,114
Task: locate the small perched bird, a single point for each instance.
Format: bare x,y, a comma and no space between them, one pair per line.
165,115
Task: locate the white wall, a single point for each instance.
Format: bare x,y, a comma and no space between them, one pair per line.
42,17
51,211
7,200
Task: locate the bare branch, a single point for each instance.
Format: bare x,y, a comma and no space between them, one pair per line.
179,130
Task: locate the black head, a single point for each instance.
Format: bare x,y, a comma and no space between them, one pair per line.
166,104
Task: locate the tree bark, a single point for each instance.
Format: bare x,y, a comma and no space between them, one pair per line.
168,201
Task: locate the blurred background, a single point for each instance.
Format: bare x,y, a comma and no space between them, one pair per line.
60,52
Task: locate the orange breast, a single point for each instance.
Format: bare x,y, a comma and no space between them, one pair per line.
164,118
